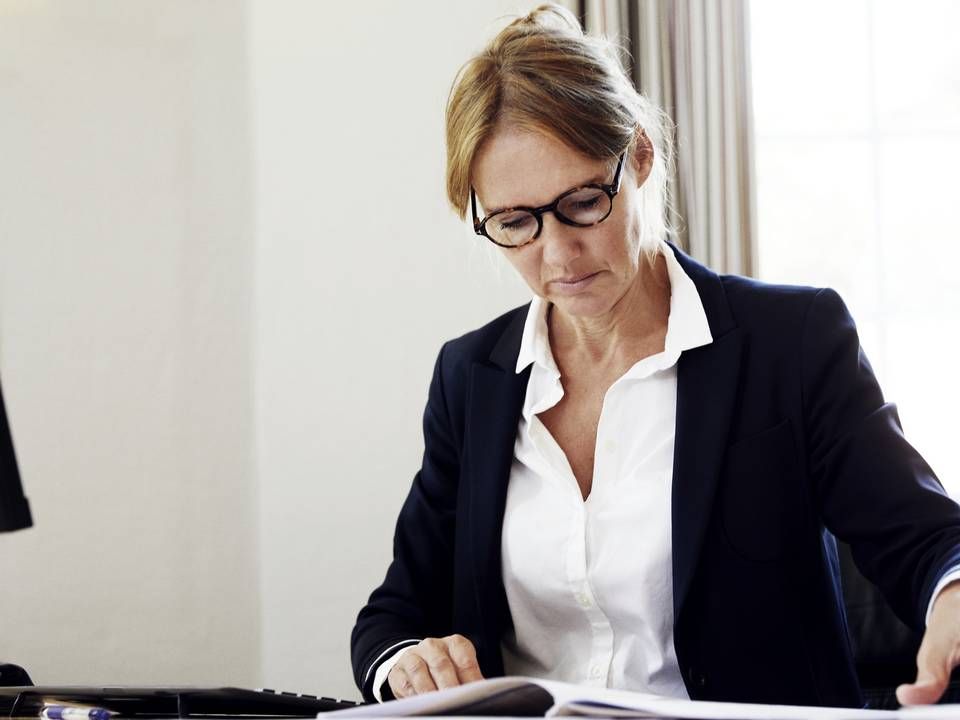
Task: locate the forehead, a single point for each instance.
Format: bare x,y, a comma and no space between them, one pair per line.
516,167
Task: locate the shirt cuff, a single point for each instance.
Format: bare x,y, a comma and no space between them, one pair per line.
386,665
945,579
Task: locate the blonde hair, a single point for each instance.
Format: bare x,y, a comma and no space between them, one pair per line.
543,73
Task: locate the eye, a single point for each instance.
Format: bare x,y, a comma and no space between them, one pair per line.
588,203
513,221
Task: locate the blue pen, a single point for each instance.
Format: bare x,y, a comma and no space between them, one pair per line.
75,712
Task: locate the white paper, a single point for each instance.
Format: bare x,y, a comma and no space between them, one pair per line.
435,703
929,712
571,700
579,700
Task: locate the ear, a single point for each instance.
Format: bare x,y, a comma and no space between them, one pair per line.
641,157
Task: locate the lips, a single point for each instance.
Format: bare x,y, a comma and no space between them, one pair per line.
573,284
574,279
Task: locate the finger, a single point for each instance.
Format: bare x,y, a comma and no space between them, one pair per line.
926,691
400,684
464,657
442,669
418,671
933,675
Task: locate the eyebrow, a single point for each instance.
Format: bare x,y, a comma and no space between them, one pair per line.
595,180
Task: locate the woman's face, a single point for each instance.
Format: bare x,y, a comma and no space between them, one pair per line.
583,271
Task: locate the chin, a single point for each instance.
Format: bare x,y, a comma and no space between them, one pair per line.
585,305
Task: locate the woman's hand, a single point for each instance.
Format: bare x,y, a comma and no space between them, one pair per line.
434,664
939,652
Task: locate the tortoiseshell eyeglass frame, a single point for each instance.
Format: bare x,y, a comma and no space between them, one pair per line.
611,190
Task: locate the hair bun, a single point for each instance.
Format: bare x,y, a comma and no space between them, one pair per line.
549,16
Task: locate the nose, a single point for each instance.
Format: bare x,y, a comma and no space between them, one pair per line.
560,243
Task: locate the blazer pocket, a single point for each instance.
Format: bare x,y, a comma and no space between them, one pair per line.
760,493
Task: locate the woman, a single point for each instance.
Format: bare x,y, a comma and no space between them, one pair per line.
635,480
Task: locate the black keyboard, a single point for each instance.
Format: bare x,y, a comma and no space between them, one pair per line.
169,702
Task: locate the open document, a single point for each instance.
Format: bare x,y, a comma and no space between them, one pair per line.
529,697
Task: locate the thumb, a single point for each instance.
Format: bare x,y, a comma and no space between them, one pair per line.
931,682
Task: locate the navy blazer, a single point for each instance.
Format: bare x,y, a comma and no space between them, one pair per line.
783,441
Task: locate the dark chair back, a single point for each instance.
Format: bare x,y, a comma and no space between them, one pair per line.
884,648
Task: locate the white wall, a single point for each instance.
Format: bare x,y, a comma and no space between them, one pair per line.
125,287
363,272
226,267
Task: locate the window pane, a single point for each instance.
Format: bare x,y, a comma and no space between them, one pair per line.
920,225
917,64
816,217
809,66
920,376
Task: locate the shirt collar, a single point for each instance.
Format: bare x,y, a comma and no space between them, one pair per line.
535,342
687,325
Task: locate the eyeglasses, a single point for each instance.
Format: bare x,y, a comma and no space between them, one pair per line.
580,207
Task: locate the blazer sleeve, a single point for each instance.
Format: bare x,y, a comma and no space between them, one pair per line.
874,490
415,598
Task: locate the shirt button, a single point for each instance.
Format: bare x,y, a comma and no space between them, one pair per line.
610,446
595,672
583,599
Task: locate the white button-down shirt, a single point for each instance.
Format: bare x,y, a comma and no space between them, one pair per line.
589,582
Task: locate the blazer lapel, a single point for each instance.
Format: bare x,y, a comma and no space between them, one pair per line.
707,381
493,412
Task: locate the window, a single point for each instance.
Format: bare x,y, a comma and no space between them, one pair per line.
857,112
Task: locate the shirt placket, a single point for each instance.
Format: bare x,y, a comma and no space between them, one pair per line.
597,663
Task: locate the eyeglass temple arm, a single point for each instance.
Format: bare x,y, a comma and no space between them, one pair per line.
618,176
473,205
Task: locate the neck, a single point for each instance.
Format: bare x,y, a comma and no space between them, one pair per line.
635,326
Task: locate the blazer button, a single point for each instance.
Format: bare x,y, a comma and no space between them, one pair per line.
698,678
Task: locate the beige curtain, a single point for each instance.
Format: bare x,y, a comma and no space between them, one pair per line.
691,57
